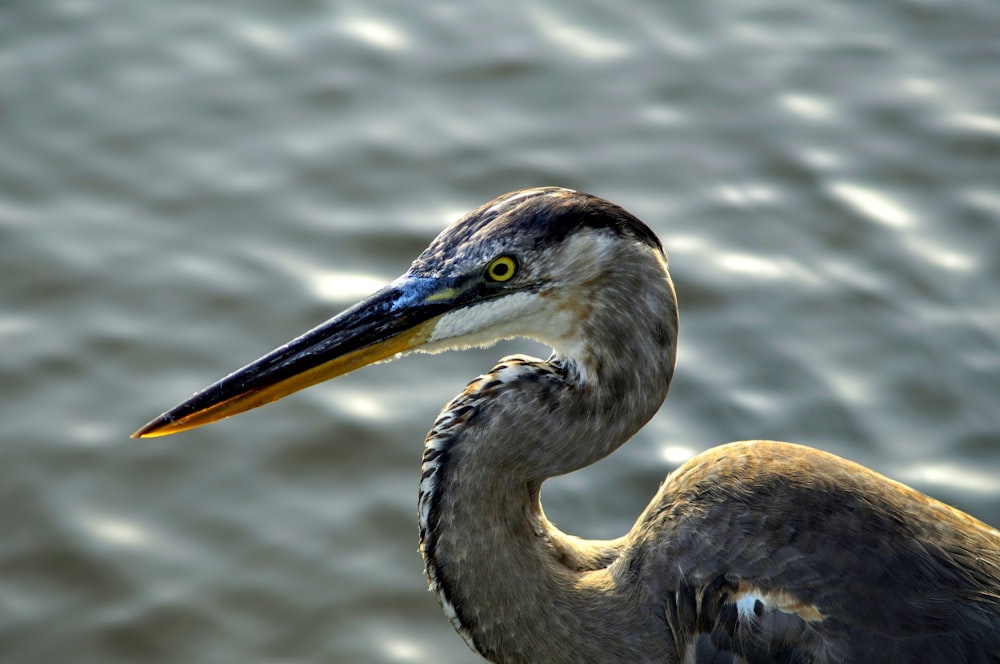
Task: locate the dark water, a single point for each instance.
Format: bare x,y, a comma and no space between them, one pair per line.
186,185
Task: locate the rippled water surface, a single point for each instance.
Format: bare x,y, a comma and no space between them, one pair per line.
186,185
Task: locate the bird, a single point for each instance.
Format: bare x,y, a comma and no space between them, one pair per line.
750,552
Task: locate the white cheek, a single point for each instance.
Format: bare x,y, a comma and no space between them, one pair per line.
514,315
482,323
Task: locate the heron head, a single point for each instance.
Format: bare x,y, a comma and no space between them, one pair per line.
540,263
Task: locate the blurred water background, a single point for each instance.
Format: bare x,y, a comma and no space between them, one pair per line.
185,185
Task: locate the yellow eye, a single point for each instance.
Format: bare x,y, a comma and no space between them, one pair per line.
501,268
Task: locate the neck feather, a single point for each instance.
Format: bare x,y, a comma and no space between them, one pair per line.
514,586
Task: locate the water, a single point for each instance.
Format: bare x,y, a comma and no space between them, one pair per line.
186,185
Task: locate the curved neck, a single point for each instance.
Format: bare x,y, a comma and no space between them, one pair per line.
514,586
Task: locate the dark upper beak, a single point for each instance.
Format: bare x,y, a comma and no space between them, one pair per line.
398,318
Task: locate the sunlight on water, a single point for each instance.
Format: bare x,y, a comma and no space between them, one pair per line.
91,431
403,651
807,107
376,33
663,116
953,476
336,286
676,454
113,530
824,182
975,122
264,37
11,324
361,405
687,243
752,265
577,39
851,386
984,199
764,268
753,193
938,255
922,87
873,204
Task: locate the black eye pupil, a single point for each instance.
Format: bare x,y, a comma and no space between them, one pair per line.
500,269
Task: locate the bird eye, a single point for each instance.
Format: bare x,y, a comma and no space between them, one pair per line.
501,268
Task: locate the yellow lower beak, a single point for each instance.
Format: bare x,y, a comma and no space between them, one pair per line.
397,319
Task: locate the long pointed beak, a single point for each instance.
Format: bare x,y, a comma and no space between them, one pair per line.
396,319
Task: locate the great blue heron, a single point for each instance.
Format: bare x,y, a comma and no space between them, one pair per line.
750,552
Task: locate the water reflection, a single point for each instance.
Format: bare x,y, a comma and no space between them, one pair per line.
115,530
952,477
875,205
186,184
